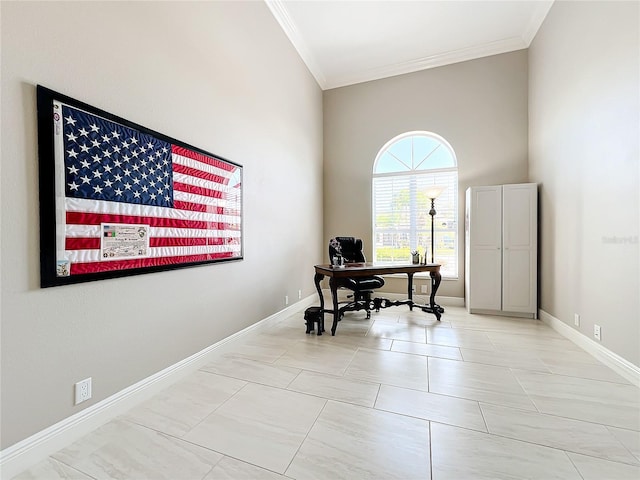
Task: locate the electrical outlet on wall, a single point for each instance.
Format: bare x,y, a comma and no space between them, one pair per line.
597,333
576,319
299,294
83,390
286,299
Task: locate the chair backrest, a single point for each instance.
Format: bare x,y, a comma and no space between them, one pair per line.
349,247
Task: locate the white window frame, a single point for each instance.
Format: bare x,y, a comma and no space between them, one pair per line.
417,214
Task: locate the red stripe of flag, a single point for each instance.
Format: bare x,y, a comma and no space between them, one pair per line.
81,243
202,158
79,218
109,266
176,242
93,243
198,207
184,241
205,192
194,172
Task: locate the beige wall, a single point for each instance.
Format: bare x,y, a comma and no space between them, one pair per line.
584,126
479,106
218,75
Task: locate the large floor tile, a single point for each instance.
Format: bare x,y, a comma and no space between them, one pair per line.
431,406
398,331
499,323
419,318
458,453
580,364
231,469
391,368
509,341
356,341
629,438
252,371
350,442
426,349
325,357
182,406
336,388
287,332
385,316
558,355
557,432
474,381
348,325
260,425
522,360
593,372
607,403
597,469
261,351
50,469
121,449
458,337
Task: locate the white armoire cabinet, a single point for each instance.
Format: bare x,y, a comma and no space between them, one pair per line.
501,249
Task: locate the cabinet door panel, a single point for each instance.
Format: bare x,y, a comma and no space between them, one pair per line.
485,279
519,273
517,208
485,248
486,217
517,278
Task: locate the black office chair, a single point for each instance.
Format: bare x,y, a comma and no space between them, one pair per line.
350,249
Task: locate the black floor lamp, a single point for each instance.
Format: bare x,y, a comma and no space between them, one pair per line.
432,193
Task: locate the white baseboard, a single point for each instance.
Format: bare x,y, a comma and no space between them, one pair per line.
622,367
31,450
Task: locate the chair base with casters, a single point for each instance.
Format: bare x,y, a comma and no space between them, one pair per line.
361,301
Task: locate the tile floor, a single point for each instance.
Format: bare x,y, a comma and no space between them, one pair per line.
399,396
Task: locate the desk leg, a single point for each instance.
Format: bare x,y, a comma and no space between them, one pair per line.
435,283
336,311
317,279
410,290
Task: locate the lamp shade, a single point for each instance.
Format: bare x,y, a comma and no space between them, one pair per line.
434,191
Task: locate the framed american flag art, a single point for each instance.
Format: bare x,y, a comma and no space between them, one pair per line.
119,199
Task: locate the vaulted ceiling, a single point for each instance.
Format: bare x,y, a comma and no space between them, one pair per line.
344,42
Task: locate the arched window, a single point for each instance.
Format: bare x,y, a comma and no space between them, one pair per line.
403,171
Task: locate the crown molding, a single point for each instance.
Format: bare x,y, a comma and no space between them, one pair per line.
536,20
455,56
281,14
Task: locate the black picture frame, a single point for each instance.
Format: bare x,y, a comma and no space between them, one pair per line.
57,172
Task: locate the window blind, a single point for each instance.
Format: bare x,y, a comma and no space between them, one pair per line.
401,220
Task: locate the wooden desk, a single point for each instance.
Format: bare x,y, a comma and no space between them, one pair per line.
368,269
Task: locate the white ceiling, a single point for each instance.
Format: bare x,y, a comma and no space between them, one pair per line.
351,41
